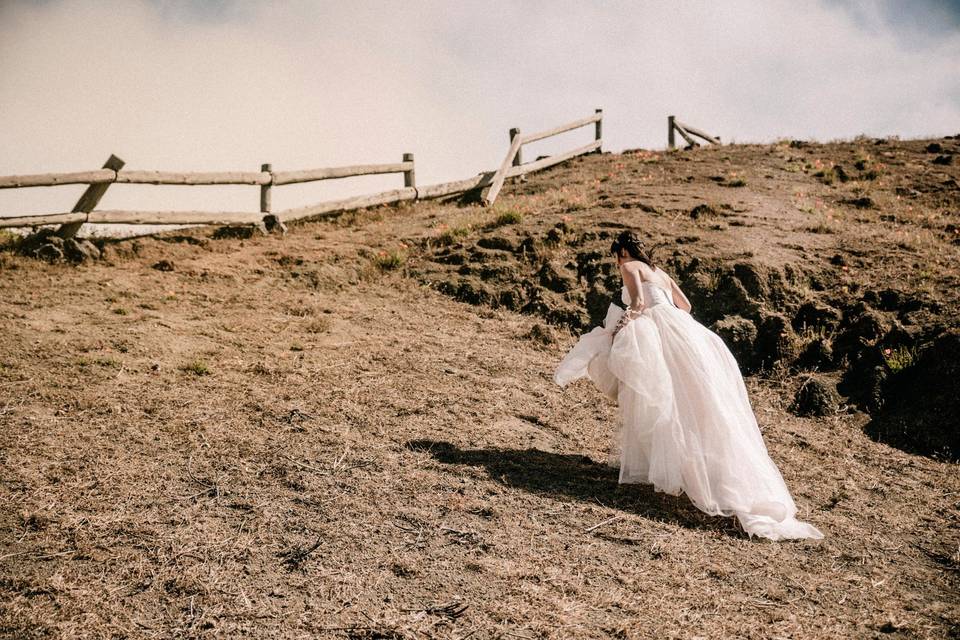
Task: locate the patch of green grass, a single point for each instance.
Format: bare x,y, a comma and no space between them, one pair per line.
510,216
826,176
108,362
9,240
197,367
868,168
899,358
390,260
452,235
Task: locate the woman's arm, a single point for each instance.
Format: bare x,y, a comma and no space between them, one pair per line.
678,298
633,282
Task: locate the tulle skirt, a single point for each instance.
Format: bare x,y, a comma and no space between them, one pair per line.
686,421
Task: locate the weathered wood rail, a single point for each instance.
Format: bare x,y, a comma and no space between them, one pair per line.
686,132
488,183
512,164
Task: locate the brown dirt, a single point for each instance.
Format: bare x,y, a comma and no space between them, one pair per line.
306,436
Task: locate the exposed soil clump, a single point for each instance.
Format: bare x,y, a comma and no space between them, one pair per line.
921,402
46,245
817,396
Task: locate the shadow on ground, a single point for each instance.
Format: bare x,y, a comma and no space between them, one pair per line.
578,477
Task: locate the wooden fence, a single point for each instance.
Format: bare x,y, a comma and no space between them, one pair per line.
687,132
266,179
488,183
513,166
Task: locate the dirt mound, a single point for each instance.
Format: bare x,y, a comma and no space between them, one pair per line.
47,246
816,396
920,403
769,316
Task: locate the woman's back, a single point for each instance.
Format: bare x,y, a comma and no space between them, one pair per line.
657,277
653,294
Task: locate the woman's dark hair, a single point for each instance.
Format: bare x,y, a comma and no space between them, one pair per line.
629,241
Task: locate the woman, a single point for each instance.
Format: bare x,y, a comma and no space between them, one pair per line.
687,425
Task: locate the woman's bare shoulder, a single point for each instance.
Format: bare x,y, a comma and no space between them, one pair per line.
634,266
647,272
662,277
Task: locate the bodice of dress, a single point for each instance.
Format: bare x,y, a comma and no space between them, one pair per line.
652,295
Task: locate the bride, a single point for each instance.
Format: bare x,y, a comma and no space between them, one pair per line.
687,425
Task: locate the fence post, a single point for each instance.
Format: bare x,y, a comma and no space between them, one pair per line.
496,183
90,198
598,128
270,221
265,189
517,159
410,175
671,142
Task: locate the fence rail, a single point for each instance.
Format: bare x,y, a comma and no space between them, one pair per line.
489,183
197,178
310,175
570,126
106,176
686,132
56,179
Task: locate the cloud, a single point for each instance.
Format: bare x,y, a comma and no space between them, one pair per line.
220,85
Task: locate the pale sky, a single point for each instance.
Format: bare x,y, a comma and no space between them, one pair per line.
191,85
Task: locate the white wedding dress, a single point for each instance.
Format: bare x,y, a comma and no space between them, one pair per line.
686,421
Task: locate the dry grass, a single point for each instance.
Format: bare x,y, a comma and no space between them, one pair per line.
410,470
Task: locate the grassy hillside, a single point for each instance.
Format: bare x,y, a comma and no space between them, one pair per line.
352,431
